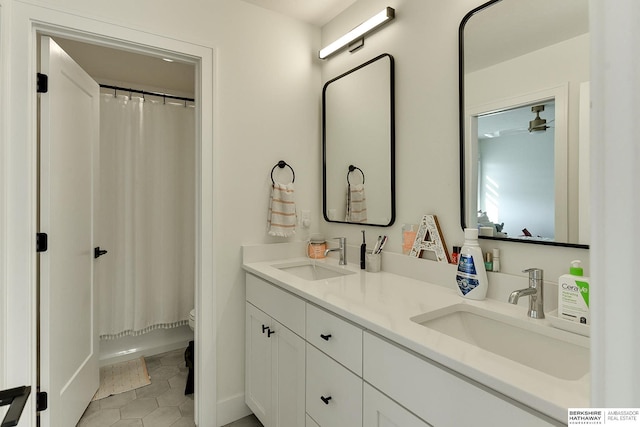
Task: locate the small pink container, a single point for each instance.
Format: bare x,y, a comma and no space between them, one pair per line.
316,248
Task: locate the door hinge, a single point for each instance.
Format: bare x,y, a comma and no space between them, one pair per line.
43,83
42,242
42,401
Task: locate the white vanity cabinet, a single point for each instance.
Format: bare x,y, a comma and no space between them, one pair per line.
438,395
380,411
275,355
334,394
334,369
311,422
316,369
335,337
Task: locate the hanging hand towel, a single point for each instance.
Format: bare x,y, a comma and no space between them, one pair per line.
282,211
356,204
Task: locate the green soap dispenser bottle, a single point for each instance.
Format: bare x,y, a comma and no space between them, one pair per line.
573,295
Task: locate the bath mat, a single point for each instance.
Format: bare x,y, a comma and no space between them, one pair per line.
121,377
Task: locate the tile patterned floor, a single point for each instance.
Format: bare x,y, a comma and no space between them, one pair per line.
160,404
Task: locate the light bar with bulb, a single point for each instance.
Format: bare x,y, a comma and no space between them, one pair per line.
360,31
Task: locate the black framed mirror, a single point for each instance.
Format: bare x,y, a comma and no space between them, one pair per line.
523,111
358,145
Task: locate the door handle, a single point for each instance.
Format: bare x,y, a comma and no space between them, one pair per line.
325,399
325,337
97,252
270,332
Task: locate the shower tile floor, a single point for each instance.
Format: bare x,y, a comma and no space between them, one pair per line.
160,404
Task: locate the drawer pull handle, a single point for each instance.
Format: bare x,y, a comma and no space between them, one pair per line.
264,328
270,332
325,337
325,399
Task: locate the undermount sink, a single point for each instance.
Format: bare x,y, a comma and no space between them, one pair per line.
536,346
312,270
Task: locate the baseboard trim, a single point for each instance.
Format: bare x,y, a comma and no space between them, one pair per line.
232,409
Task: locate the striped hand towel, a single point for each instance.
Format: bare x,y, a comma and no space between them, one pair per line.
356,204
282,211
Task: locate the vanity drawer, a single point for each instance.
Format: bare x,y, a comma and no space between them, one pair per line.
437,395
336,337
334,395
279,304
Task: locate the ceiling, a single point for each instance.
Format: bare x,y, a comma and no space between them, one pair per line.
512,28
113,66
315,12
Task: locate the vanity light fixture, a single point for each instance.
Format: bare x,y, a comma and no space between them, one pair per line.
358,32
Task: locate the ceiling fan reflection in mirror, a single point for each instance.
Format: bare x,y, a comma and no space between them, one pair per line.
509,122
538,124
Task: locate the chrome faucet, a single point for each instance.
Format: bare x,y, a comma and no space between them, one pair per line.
342,241
535,291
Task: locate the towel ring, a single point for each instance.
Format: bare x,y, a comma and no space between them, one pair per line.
281,164
351,169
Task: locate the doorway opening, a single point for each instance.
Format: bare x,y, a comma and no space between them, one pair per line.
506,120
146,170
200,59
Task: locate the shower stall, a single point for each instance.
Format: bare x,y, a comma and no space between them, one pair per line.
146,221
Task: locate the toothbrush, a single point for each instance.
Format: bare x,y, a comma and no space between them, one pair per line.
377,246
382,243
363,252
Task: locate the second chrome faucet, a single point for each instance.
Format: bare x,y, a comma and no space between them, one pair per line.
535,291
342,247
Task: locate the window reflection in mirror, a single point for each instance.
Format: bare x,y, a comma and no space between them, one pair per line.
358,145
519,53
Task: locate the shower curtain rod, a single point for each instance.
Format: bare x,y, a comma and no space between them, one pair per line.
144,92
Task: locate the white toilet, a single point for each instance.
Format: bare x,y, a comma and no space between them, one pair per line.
192,319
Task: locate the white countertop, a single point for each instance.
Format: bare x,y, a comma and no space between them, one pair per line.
384,303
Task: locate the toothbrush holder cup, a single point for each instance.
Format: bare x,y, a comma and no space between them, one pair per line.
373,262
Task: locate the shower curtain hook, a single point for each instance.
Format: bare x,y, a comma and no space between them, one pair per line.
185,103
164,99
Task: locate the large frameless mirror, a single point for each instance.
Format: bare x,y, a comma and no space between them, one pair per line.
358,145
524,100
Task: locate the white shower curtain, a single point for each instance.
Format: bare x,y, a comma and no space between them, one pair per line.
146,216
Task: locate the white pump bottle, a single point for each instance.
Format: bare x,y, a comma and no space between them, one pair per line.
471,276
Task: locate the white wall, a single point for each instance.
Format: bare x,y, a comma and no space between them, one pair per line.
423,39
267,84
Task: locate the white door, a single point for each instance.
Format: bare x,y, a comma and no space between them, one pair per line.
69,136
